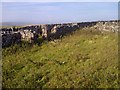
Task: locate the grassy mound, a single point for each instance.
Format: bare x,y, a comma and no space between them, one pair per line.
85,59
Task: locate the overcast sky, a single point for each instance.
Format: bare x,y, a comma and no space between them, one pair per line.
58,12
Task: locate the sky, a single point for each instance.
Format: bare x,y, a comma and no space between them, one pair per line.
58,12
60,0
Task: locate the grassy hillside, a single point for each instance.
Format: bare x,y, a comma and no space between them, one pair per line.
85,59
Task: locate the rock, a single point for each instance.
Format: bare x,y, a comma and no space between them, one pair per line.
31,33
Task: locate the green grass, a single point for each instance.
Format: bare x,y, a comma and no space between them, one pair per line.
85,59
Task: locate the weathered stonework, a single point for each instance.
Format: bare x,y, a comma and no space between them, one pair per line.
51,31
107,26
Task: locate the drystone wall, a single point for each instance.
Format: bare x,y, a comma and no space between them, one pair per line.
16,35
31,33
107,26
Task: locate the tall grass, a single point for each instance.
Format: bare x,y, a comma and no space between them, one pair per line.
85,59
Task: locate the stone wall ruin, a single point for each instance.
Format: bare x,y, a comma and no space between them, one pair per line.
50,31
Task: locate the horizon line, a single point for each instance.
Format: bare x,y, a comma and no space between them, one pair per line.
57,23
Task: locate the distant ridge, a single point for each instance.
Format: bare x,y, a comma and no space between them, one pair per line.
13,23
29,23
